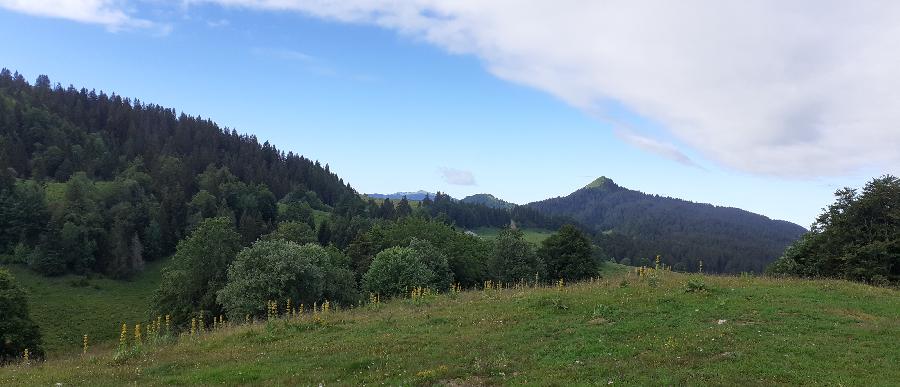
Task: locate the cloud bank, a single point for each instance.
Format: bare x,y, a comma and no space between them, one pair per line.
113,14
792,88
457,176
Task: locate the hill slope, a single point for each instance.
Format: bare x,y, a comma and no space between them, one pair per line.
488,200
741,331
638,226
67,307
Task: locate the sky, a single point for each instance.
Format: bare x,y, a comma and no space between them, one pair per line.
769,106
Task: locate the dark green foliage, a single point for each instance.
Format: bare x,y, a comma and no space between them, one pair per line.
514,259
634,225
436,262
340,282
324,234
131,172
466,255
856,238
299,233
487,200
23,213
17,331
568,255
470,215
396,271
296,212
387,210
275,270
403,208
197,271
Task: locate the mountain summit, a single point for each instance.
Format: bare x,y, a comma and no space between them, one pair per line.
601,182
636,226
487,200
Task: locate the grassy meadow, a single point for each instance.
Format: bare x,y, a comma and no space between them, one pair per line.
622,329
70,306
533,235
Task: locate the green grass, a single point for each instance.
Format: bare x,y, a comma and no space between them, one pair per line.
533,235
68,307
741,331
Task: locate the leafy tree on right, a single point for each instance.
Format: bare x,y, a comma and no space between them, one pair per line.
567,254
856,238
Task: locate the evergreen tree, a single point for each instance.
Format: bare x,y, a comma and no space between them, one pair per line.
17,331
514,259
403,208
324,235
856,238
567,254
387,210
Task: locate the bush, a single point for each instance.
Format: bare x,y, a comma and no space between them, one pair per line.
567,254
17,331
274,270
198,271
297,232
340,281
395,271
466,255
696,285
514,259
436,261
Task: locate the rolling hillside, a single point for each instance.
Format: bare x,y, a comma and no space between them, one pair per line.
636,226
621,330
488,200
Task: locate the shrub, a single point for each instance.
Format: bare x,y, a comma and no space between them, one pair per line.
514,258
466,255
273,270
696,285
198,271
395,271
299,233
567,254
340,281
436,261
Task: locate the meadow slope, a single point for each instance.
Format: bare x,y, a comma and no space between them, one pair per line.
621,329
70,306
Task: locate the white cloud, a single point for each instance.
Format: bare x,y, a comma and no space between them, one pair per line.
795,88
113,14
661,148
457,176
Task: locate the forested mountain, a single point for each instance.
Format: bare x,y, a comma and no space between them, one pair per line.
487,200
91,181
95,182
635,227
474,215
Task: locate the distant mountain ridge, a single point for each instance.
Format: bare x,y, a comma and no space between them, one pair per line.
636,226
417,195
488,200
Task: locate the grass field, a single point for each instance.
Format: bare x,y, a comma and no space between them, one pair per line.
620,330
533,235
68,307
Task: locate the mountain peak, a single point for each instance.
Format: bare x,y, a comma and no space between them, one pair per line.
600,182
487,200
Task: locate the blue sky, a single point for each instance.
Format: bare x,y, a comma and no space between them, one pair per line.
392,111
